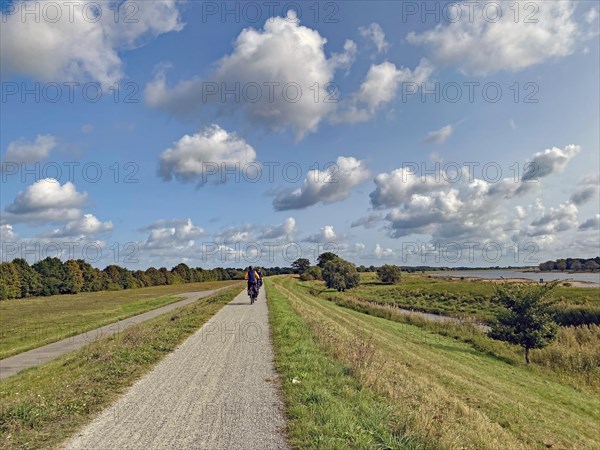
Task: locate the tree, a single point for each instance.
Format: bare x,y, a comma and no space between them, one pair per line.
340,274
526,320
92,277
73,282
183,272
389,274
312,273
10,283
592,265
31,281
52,272
324,258
300,265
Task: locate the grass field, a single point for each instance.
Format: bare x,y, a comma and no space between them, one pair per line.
444,393
44,405
462,298
32,322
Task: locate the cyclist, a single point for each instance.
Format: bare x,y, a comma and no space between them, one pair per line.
260,278
253,278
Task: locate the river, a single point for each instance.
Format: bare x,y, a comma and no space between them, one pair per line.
535,276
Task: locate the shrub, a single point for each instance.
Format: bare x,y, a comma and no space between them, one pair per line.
340,274
389,274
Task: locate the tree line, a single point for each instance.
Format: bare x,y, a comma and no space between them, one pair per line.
571,264
51,276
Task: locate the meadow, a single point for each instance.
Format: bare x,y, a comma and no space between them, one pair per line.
440,388
32,322
465,298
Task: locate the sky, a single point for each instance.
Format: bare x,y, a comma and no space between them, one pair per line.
227,134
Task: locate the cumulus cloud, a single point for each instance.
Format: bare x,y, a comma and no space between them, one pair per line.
7,234
469,207
593,223
371,221
23,151
589,187
270,68
253,233
325,235
482,46
286,231
375,34
381,253
86,226
549,161
562,218
439,136
204,154
46,201
81,44
379,88
171,235
333,184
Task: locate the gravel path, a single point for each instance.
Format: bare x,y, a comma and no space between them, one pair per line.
41,355
218,390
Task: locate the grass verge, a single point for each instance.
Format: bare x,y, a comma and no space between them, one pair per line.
29,323
327,408
44,405
445,393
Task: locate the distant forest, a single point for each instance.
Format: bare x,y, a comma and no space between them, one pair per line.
572,264
52,276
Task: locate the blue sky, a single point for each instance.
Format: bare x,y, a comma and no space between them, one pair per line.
169,137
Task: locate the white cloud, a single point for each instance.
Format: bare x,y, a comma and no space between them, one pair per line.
283,55
87,128
86,226
379,88
591,16
479,209
171,235
205,154
482,46
23,151
589,187
46,201
593,223
330,185
439,136
562,218
549,161
7,233
254,233
381,253
286,231
371,221
326,234
80,45
375,33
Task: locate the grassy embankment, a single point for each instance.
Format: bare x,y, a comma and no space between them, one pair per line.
32,322
441,392
44,405
467,298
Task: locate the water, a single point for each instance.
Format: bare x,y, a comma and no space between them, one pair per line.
535,276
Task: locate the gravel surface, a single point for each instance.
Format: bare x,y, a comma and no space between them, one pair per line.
218,390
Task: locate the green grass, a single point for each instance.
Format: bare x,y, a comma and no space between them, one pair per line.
446,393
44,405
328,408
462,298
32,322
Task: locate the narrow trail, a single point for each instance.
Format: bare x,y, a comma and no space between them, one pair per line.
41,355
218,390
